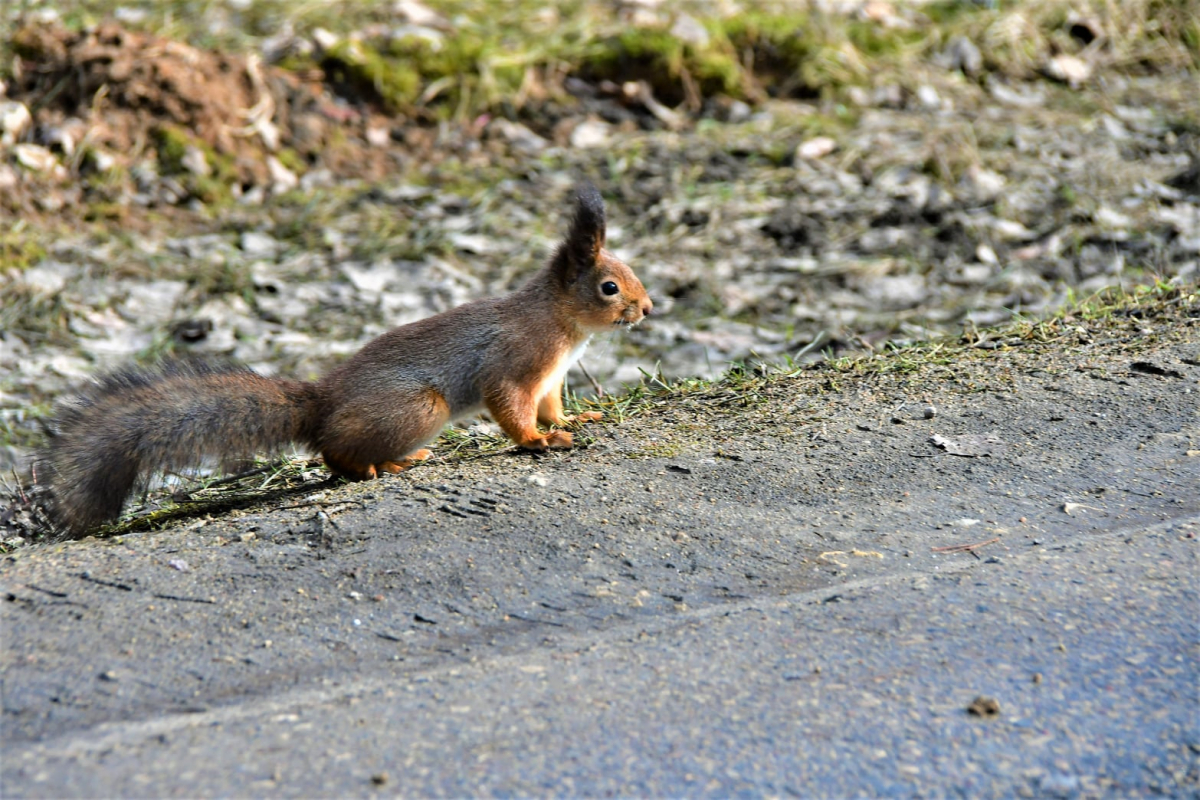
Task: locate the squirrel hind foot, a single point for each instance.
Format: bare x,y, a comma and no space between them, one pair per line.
558,440
367,472
348,469
394,467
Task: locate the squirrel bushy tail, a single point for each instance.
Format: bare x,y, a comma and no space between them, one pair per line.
172,416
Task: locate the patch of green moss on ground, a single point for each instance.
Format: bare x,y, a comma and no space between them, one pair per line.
20,247
171,144
393,81
292,160
800,54
672,67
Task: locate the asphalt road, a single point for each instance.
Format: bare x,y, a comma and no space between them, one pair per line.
1090,650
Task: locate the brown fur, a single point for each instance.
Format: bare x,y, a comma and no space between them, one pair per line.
372,414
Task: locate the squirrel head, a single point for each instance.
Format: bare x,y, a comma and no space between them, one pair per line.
601,289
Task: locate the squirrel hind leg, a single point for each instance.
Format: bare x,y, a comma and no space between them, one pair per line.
383,433
339,465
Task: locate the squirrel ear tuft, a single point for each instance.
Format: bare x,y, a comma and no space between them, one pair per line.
580,251
587,234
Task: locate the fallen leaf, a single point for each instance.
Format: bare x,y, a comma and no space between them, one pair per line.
866,553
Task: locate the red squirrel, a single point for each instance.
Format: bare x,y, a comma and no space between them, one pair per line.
374,413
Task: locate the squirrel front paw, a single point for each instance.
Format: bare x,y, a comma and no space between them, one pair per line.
558,440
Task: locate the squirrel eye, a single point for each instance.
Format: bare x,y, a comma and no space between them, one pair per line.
609,288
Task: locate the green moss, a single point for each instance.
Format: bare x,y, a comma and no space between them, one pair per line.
878,41
951,12
105,211
798,54
221,278
20,248
21,429
292,160
1191,38
673,68
461,75
171,144
393,81
209,189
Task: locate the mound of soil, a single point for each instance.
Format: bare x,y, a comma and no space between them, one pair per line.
142,81
128,95
118,111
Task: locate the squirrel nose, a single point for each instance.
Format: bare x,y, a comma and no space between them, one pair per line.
646,307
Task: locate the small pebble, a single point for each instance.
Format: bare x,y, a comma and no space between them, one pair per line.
983,706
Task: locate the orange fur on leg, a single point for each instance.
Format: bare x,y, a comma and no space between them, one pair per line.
399,466
348,469
515,410
550,410
560,440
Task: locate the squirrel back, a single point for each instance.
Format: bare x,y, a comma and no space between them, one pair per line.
375,412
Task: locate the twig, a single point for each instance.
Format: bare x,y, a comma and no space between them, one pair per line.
534,620
238,476
816,342
124,587
50,592
595,383
963,548
325,504
16,489
184,599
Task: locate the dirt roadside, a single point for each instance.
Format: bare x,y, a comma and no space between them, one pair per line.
748,491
